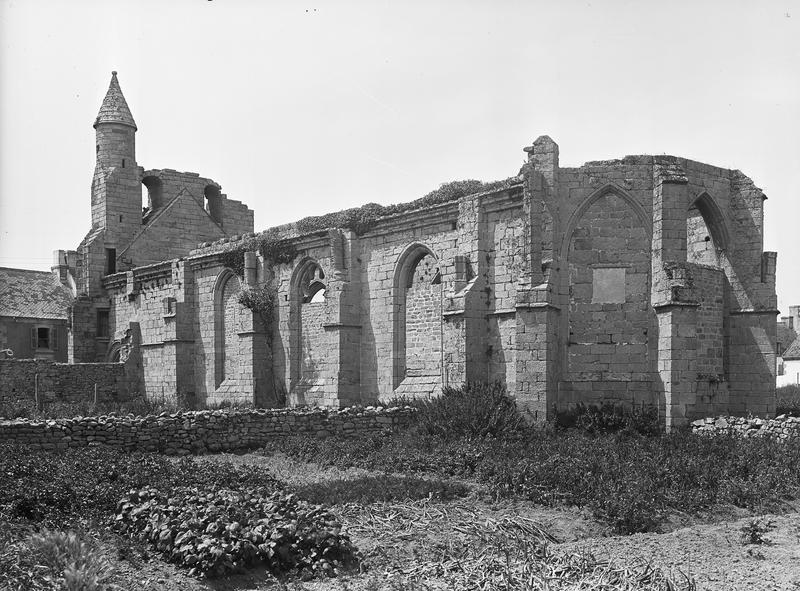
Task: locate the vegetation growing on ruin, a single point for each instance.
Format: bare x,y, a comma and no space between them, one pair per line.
362,219
358,219
261,300
275,250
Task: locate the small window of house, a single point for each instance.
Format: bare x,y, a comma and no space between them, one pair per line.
43,338
608,285
102,324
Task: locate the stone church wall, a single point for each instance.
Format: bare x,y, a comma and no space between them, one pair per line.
639,281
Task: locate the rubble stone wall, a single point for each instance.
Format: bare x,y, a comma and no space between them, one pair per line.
196,432
782,427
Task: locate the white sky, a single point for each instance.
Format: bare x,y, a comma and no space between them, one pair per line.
301,109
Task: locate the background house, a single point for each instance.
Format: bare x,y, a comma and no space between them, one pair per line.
34,307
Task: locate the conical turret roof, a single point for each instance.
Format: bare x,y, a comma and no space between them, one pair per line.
114,108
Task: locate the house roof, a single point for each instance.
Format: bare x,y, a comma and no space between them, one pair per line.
115,108
792,351
32,294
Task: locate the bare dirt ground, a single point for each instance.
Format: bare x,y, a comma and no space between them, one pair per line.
430,544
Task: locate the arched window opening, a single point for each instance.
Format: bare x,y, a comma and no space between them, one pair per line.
706,233
214,202
152,195
309,340
312,284
226,326
418,322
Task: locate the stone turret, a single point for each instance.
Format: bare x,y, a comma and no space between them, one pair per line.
116,192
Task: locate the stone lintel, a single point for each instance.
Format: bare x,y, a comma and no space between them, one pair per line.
754,312
341,325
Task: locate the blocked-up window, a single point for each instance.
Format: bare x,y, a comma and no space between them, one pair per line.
608,285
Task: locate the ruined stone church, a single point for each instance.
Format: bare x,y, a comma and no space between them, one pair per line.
639,281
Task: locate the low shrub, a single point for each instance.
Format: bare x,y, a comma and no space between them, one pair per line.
215,532
380,489
472,410
788,400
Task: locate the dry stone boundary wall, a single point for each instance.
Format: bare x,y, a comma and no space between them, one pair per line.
198,432
782,427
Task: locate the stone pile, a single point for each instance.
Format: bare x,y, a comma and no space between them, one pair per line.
781,427
197,432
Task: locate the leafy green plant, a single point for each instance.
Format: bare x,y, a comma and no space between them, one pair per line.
215,532
753,532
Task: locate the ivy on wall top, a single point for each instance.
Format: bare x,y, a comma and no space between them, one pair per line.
275,251
362,219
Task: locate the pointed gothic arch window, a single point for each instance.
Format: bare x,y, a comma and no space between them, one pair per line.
417,318
226,326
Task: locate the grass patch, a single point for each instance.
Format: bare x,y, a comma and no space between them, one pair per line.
51,560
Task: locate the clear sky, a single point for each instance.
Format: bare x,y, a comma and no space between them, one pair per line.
303,108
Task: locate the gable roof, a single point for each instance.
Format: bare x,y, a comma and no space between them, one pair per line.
32,294
792,351
160,213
